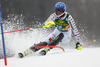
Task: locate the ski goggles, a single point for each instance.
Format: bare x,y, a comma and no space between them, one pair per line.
59,10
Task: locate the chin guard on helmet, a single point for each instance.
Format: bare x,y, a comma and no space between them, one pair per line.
60,15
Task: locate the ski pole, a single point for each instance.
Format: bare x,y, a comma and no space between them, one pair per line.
45,26
90,42
16,30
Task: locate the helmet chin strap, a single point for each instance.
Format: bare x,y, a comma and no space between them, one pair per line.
60,15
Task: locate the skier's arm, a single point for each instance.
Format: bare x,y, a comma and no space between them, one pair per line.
74,28
76,33
51,18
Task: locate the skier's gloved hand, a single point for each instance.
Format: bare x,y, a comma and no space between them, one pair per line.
49,24
78,46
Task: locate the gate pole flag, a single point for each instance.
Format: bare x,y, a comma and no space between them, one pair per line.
4,51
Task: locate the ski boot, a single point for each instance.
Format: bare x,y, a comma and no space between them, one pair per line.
20,55
40,44
44,52
25,53
52,43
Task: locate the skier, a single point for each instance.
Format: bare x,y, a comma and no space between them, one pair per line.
64,25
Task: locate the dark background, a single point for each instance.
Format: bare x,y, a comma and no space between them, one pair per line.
85,12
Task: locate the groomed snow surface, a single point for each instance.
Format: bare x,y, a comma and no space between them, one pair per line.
87,57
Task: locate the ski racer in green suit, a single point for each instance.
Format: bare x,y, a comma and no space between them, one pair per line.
64,24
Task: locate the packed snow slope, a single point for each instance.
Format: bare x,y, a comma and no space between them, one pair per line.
87,57
20,41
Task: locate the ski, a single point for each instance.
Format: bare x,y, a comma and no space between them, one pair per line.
27,52
42,52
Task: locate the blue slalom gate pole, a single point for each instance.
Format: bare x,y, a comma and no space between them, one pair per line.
3,42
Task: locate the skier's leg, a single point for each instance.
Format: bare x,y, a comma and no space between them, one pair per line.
31,50
52,36
48,40
56,40
40,44
53,39
53,43
67,36
63,37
